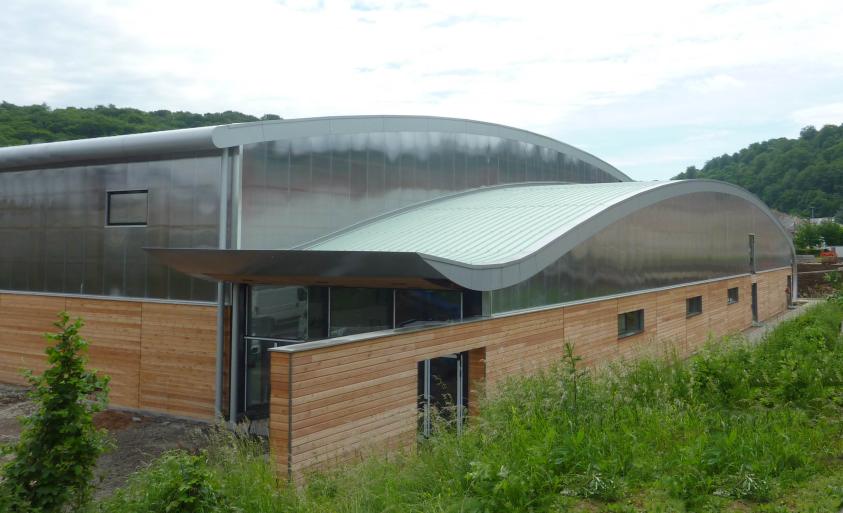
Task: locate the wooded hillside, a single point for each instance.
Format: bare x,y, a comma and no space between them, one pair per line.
39,123
791,175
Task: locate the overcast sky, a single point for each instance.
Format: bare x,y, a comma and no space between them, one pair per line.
651,87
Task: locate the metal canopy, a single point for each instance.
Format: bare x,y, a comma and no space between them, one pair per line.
290,267
484,239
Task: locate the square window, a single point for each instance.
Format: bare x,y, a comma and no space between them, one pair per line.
127,208
693,306
733,295
630,323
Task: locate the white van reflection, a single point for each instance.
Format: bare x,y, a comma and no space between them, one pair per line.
278,312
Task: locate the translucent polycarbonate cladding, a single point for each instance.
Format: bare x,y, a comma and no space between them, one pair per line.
693,237
297,190
55,239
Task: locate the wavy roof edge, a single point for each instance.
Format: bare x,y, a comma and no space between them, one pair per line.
236,134
519,266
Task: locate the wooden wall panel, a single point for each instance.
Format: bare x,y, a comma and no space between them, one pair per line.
717,297
476,378
348,400
643,344
739,315
671,319
23,322
696,326
593,330
113,329
178,352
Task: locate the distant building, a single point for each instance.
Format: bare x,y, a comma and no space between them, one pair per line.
343,277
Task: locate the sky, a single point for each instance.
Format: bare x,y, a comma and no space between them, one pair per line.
651,87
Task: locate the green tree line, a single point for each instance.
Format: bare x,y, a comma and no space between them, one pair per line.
27,124
790,175
815,235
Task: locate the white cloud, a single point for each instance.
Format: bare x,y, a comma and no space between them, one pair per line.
562,68
820,115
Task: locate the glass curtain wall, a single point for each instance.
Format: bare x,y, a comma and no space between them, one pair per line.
280,315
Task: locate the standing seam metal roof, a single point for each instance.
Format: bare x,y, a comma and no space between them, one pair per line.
498,236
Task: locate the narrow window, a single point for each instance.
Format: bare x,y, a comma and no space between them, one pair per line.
630,323
693,306
734,295
127,208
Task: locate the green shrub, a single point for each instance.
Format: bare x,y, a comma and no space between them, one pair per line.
54,460
177,482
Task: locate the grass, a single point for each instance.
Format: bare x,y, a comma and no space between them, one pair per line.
737,427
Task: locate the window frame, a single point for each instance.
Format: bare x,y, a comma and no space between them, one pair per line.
626,331
122,192
690,301
737,298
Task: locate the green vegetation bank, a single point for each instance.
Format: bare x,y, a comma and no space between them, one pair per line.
737,427
790,175
39,123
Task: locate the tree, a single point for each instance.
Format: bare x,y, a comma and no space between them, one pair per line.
53,462
807,236
790,175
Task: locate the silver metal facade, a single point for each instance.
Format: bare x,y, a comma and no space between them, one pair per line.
54,236
300,189
693,237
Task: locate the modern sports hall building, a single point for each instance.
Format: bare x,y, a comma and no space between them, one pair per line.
344,277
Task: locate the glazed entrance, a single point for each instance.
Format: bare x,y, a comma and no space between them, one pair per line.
443,392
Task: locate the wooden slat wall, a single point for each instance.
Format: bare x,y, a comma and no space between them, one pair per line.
113,329
771,293
177,359
23,322
159,356
348,400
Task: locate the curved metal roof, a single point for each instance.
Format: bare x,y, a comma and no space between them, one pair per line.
227,136
484,239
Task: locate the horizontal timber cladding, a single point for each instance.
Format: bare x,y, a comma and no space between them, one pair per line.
159,356
333,404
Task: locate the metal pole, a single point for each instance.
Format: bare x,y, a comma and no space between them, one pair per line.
234,382
223,234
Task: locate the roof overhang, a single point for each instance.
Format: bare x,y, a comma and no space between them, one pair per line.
296,267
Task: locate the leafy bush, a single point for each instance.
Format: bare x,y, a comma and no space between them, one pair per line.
177,482
54,460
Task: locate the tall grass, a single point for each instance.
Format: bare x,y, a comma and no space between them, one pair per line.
735,421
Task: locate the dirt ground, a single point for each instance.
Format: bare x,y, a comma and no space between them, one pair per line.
138,438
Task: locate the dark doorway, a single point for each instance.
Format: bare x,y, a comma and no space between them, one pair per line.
754,302
788,291
443,391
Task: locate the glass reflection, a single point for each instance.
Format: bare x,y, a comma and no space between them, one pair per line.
414,306
360,310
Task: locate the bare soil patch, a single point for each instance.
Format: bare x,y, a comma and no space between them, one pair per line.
138,438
